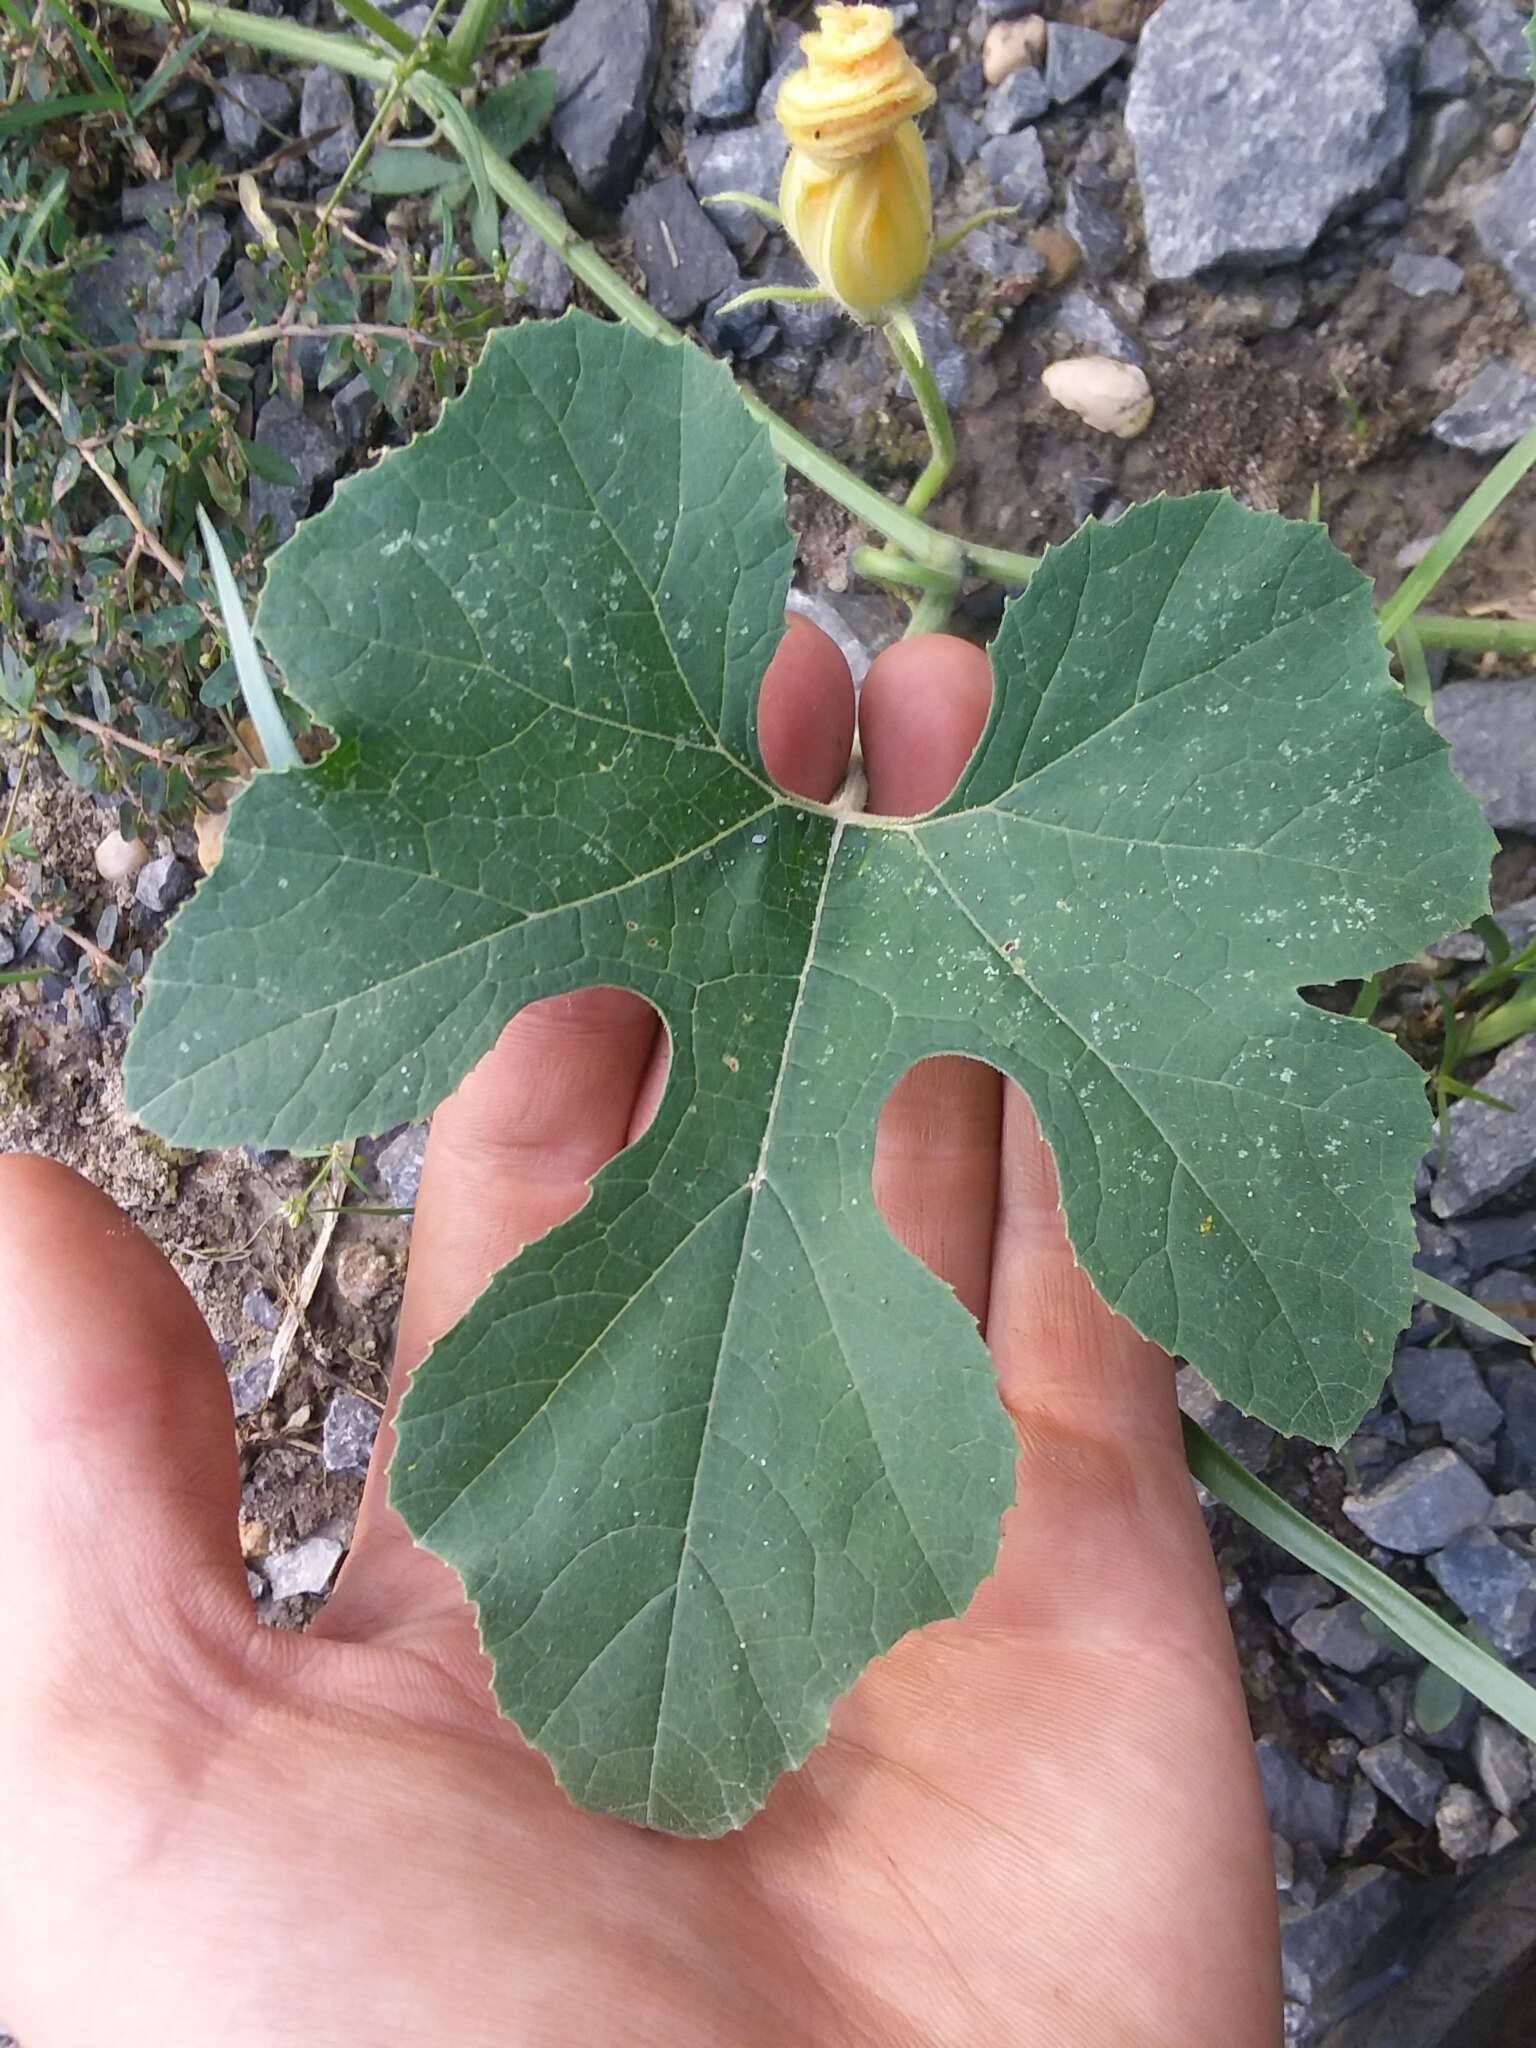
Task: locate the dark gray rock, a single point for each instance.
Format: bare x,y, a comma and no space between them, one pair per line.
1296,1593
1241,1436
1494,1584
1450,137
604,55
1094,225
1246,153
1014,166
253,1383
685,259
1491,728
1497,27
1333,1697
1339,1636
346,1442
1445,67
1089,497
1497,407
1507,224
1515,1510
743,160
1089,322
161,884
1422,277
1076,58
949,362
143,286
398,1166
1409,1778
1439,1252
1463,1824
1422,1505
353,407
1021,98
1318,1944
730,61
745,332
313,449
537,280
326,112
804,326
308,1567
1503,1762
1000,251
1361,1814
1515,1388
1444,1386
1509,1294
258,1307
1301,1808
963,136
254,111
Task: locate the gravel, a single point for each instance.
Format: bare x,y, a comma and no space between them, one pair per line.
1077,58
1453,133
1445,67
605,55
1092,222
1492,1579
1463,1824
1403,1773
1422,1505
346,1442
1506,225
312,448
742,160
1020,99
683,256
1424,277
1339,1636
135,288
161,884
1497,27
1503,1762
327,114
1090,323
1491,728
1444,1387
308,1567
1490,1151
1301,1808
1319,1943
1014,165
255,111
398,1167
1247,153
537,281
1492,413
730,61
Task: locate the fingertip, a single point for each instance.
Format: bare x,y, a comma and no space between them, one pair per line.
805,712
923,707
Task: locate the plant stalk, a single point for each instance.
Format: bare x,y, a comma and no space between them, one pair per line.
1476,636
902,340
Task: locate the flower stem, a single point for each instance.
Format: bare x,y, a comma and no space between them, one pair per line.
901,338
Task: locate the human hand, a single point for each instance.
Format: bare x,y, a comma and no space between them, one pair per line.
1038,1826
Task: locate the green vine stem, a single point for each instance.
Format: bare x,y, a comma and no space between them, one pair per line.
1469,636
901,338
1502,1691
344,53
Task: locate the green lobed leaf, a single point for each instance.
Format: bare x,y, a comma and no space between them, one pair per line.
706,1449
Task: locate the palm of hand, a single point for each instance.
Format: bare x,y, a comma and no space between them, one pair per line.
1035,1825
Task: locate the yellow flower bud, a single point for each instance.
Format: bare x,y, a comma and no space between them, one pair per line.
865,230
855,195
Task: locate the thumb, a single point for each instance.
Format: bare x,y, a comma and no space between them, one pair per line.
119,1486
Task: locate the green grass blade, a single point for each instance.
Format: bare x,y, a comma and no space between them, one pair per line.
378,24
1428,1288
1509,1021
1502,1691
261,702
1461,528
38,113
167,73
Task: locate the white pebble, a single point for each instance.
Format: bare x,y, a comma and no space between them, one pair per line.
1112,398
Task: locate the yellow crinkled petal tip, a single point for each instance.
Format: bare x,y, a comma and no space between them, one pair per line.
857,87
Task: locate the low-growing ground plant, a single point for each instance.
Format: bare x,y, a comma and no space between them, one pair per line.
709,1447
